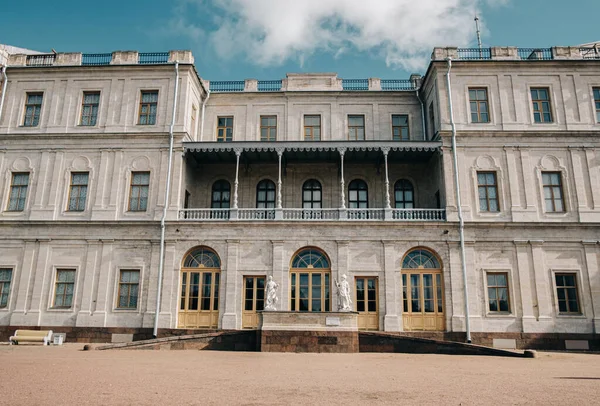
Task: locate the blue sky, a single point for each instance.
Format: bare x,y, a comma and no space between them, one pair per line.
264,39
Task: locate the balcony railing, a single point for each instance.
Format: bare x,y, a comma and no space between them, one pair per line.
147,58
40,60
590,53
355,84
269,85
297,214
398,84
474,53
227,86
535,53
419,214
96,59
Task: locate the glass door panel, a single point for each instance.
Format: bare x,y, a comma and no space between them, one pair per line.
367,303
254,300
423,308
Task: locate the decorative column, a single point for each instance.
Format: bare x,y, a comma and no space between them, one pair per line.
234,210
343,215
388,207
279,210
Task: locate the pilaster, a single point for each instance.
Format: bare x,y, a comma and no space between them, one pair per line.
91,262
525,284
229,287
392,320
593,278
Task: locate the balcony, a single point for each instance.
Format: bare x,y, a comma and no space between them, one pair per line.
296,214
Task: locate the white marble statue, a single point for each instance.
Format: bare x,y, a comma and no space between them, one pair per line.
343,291
271,294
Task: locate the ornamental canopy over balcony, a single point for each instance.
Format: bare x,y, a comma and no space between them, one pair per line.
311,152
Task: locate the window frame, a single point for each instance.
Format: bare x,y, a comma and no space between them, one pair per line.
268,128
355,128
91,106
56,284
312,190
578,291
358,200
561,188
38,109
397,189
487,187
312,128
400,127
596,103
3,287
149,105
141,185
20,187
224,128
220,190
506,274
478,103
541,112
128,284
80,186
264,186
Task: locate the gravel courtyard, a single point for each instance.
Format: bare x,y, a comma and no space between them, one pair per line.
34,375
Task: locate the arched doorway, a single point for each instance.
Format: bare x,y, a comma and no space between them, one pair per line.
199,294
310,272
423,292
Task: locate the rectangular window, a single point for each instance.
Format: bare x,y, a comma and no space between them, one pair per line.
497,286
488,191
566,292
89,108
33,109
431,122
148,107
224,129
129,283
268,128
5,279
540,97
18,191
553,192
138,195
356,128
400,127
478,101
312,128
78,191
597,103
64,288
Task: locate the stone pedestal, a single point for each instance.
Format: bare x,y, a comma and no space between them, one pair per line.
282,331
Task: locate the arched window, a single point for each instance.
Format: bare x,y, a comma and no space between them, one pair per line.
312,198
420,259
265,194
221,195
309,279
358,194
199,295
404,194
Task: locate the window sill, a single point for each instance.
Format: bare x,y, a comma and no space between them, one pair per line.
146,125
500,315
61,309
126,310
571,316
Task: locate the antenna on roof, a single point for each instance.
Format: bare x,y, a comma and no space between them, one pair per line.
478,32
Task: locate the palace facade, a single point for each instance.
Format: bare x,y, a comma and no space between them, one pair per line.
136,195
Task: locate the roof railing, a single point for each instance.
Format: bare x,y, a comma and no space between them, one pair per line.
535,53
40,60
96,59
398,84
355,84
148,58
474,53
269,85
224,86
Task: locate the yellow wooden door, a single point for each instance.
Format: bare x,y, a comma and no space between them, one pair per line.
254,300
367,303
199,300
423,301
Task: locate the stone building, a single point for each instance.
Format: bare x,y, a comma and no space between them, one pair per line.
127,181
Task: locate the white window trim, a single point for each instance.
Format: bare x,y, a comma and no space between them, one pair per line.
80,109
12,287
511,291
564,177
116,307
468,104
51,296
490,166
577,273
553,106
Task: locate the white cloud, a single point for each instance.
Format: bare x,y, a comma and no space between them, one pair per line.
403,32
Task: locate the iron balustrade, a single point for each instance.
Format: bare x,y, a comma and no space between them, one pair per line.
95,59
398,84
269,85
40,60
227,86
590,53
147,58
535,53
474,53
355,84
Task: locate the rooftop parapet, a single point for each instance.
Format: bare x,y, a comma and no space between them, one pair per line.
514,53
114,58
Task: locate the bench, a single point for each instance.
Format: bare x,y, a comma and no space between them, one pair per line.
31,336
